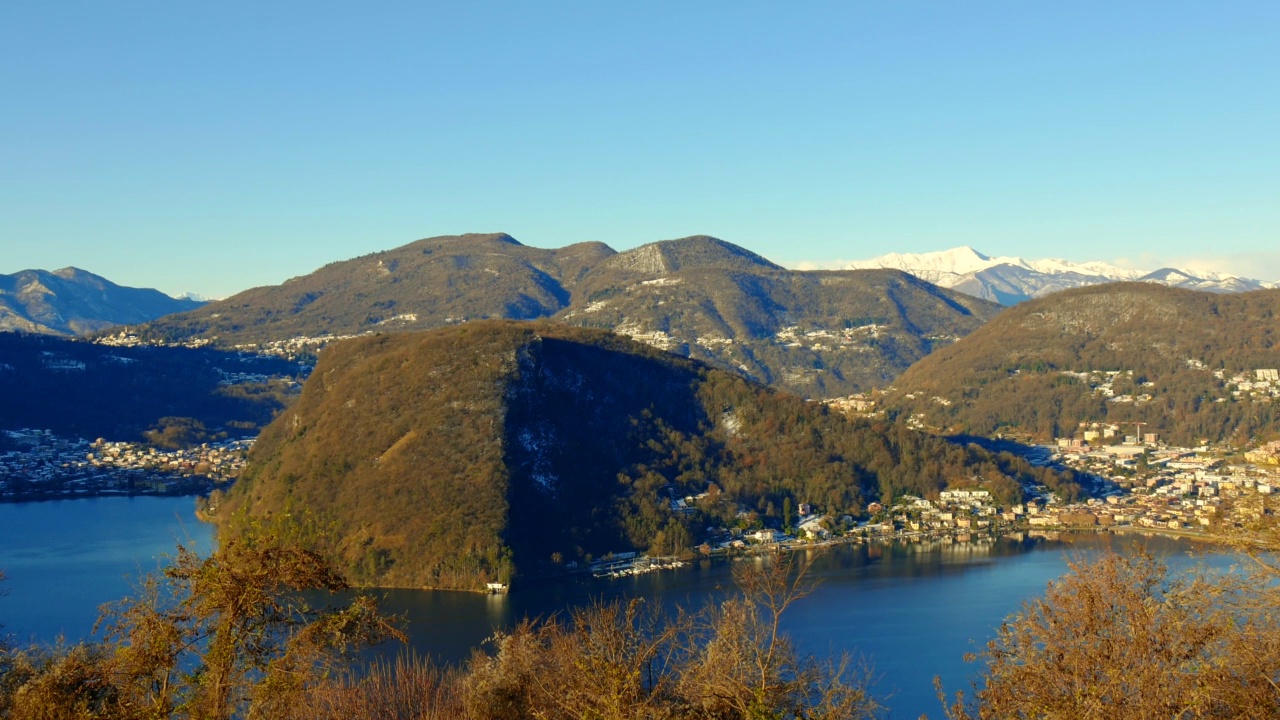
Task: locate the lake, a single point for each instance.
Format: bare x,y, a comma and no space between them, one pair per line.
912,611
64,558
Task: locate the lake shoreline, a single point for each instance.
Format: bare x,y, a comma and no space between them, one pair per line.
913,609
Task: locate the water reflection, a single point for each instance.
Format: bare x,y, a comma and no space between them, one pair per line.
913,609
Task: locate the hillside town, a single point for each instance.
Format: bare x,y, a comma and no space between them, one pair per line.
294,348
1144,485
43,465
1152,485
129,338
1259,385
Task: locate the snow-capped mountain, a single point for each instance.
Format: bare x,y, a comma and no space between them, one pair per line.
1010,280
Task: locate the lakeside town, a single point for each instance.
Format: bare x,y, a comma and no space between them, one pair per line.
1142,482
1154,485
45,466
1151,487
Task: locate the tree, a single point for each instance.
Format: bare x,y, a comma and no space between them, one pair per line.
233,632
740,665
625,661
609,661
230,635
59,684
1122,637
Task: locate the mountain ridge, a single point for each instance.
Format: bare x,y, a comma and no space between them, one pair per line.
71,301
816,333
1010,280
1120,353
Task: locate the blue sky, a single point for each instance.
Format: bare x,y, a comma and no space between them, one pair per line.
211,147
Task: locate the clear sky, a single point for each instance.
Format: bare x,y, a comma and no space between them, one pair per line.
214,146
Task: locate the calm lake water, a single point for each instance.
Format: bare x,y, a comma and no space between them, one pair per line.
64,558
912,611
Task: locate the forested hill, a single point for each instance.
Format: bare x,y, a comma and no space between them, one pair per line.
819,334
425,284
1129,352
461,455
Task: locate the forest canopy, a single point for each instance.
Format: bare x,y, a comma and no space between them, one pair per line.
464,455
1119,353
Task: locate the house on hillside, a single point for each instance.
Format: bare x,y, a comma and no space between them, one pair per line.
813,527
767,536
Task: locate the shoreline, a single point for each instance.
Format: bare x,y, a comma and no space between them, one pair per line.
909,538
18,499
905,537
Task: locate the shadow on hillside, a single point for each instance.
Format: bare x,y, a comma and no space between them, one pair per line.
80,389
587,430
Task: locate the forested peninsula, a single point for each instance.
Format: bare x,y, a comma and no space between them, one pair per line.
474,454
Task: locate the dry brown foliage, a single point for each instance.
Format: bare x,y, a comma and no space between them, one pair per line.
608,661
62,683
741,666
624,661
408,688
230,635
1123,637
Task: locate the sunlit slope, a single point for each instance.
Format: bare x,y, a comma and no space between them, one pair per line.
819,334
463,455
1126,352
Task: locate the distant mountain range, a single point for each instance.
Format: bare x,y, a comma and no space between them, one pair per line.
814,333
71,301
1011,280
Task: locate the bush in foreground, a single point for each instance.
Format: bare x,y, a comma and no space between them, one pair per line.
1123,638
623,661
